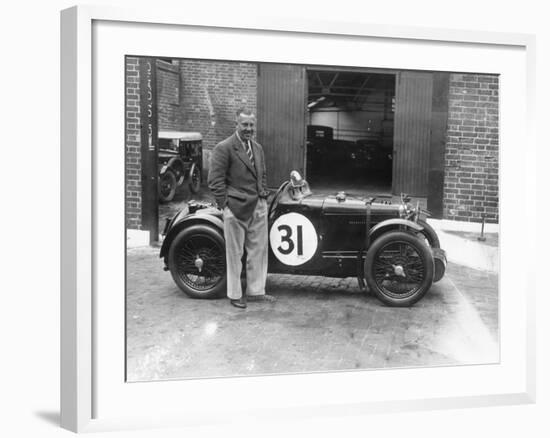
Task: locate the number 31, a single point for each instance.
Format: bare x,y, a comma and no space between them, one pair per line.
288,239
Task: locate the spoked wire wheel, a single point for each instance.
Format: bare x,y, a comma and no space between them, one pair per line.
197,261
399,268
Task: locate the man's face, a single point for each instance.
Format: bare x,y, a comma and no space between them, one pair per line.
245,126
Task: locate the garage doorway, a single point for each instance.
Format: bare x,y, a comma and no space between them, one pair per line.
350,130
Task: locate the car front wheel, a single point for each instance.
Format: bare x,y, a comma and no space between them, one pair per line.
197,261
399,268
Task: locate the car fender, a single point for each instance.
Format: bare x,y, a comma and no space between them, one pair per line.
171,164
392,224
200,217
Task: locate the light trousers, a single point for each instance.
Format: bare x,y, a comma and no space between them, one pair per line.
252,236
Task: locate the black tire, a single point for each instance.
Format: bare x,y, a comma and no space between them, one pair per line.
399,268
167,186
198,244
195,179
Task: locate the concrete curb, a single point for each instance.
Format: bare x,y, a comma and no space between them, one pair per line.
464,251
471,227
136,238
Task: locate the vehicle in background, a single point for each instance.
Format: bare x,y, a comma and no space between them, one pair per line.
326,155
179,160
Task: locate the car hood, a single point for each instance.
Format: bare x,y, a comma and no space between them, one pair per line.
344,204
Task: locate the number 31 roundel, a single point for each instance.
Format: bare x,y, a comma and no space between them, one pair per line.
293,239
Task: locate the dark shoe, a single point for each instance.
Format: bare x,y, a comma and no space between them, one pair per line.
266,298
238,303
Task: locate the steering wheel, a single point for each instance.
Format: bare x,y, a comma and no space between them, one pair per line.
278,194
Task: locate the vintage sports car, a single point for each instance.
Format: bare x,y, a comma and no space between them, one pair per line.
179,159
390,246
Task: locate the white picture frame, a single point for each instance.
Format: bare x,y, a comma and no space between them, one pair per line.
87,373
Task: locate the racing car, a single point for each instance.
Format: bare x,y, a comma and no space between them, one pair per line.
389,247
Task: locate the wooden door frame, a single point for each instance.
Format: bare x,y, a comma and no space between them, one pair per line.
438,143
300,156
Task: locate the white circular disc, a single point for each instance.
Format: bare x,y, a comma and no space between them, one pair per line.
293,239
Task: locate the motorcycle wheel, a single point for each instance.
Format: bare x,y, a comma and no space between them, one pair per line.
196,260
195,179
167,186
399,268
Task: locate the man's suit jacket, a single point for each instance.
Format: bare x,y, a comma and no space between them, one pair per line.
233,180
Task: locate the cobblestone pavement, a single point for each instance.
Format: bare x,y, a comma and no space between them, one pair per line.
317,324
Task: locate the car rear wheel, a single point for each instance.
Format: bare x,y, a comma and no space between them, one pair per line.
167,186
194,179
197,261
399,268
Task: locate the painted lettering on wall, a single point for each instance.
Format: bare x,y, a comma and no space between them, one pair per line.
149,97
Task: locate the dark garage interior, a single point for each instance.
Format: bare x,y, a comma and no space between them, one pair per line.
350,130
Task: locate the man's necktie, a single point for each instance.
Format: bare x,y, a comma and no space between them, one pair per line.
249,153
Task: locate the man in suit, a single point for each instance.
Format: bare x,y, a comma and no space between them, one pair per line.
237,179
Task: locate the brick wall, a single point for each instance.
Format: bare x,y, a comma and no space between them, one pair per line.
211,91
471,157
170,114
133,145
199,96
